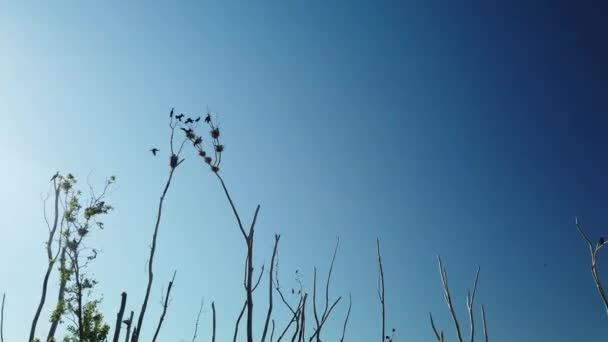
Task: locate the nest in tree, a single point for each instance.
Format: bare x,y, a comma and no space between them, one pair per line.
202,153
219,148
82,231
173,161
208,160
215,168
215,133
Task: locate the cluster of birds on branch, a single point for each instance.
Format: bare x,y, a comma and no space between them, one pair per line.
188,131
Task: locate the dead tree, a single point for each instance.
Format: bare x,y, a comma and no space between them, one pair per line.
174,162
448,299
119,315
593,250
165,306
51,256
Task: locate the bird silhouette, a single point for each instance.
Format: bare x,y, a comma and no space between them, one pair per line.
189,120
171,114
179,117
55,176
208,118
197,141
187,131
602,241
154,150
197,119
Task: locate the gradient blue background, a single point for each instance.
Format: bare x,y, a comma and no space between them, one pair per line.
472,129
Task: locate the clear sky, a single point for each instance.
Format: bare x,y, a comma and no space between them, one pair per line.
475,130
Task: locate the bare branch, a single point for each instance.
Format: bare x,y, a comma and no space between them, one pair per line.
593,251
198,317
483,318
270,283
2,318
448,298
121,312
381,290
238,321
438,336
213,331
162,316
470,300
128,324
350,304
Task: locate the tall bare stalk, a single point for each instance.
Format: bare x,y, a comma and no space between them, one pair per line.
165,306
593,250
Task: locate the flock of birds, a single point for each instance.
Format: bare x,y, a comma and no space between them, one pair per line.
187,121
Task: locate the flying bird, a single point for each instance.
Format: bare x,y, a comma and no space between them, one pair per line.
179,117
208,118
55,176
171,114
154,150
189,120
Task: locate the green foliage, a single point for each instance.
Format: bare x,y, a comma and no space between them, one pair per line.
95,329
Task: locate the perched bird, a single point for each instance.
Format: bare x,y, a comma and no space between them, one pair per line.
197,119
189,120
154,150
179,117
55,176
171,114
208,118
601,242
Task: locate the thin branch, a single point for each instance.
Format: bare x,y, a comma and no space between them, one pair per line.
128,324
2,318
438,336
144,305
350,304
198,317
270,283
448,298
483,318
272,331
162,316
381,290
470,300
121,312
593,251
238,321
213,331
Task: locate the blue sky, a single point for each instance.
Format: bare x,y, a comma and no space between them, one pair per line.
475,130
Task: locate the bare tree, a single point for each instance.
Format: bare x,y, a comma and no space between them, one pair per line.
174,162
270,286
165,306
121,312
593,250
51,256
448,299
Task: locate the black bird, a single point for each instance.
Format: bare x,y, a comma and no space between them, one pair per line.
189,120
197,119
208,118
54,176
171,114
179,117
187,131
601,242
154,150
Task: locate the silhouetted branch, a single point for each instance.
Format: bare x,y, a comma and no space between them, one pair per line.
593,250
49,251
438,335
162,316
213,331
128,323
121,312
272,331
270,286
198,317
2,318
326,312
381,290
350,304
238,321
470,300
448,298
483,318
174,162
